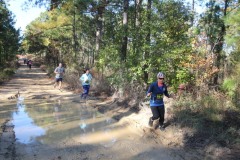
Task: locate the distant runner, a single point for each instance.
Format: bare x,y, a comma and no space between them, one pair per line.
156,91
86,81
30,64
59,71
25,60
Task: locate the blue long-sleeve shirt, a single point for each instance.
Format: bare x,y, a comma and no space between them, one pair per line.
157,94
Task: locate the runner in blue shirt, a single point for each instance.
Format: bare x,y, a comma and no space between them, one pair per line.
156,91
59,71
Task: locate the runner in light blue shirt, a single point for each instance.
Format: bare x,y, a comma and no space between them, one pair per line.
86,79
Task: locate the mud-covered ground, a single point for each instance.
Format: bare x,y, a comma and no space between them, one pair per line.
44,123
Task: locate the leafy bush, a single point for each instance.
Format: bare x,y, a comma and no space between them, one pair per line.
14,64
8,71
50,71
37,61
6,74
230,86
2,77
183,76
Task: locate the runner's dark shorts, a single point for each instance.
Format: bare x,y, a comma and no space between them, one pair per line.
59,79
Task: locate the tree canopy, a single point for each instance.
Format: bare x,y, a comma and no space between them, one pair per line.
130,41
9,36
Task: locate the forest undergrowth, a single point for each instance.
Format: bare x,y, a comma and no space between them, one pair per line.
211,118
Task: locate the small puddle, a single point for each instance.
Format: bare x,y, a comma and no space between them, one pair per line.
58,121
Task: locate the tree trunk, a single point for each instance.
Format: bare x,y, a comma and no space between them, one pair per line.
1,61
138,38
99,30
219,57
193,3
74,33
193,8
148,40
138,4
125,31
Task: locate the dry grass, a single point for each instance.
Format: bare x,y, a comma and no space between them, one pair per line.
213,117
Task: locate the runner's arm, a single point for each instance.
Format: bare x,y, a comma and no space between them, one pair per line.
150,90
81,78
55,71
166,93
90,77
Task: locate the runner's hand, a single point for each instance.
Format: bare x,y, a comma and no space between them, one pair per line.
146,98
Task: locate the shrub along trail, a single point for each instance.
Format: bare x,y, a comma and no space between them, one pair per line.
138,142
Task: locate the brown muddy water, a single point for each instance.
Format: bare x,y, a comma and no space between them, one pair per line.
62,129
49,122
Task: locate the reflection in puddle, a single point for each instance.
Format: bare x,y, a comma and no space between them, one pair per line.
98,129
25,129
50,123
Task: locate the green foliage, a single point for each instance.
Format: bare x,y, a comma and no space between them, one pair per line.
9,71
3,77
233,22
172,41
230,86
183,76
51,34
6,74
232,38
169,49
9,36
61,37
50,70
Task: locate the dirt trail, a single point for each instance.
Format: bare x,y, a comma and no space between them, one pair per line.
139,143
32,84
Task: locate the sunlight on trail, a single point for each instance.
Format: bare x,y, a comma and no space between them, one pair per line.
108,136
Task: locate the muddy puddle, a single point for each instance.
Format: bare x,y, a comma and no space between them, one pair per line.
56,121
62,129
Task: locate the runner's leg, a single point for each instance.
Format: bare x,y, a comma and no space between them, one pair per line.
155,116
56,82
155,113
161,111
85,91
60,83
